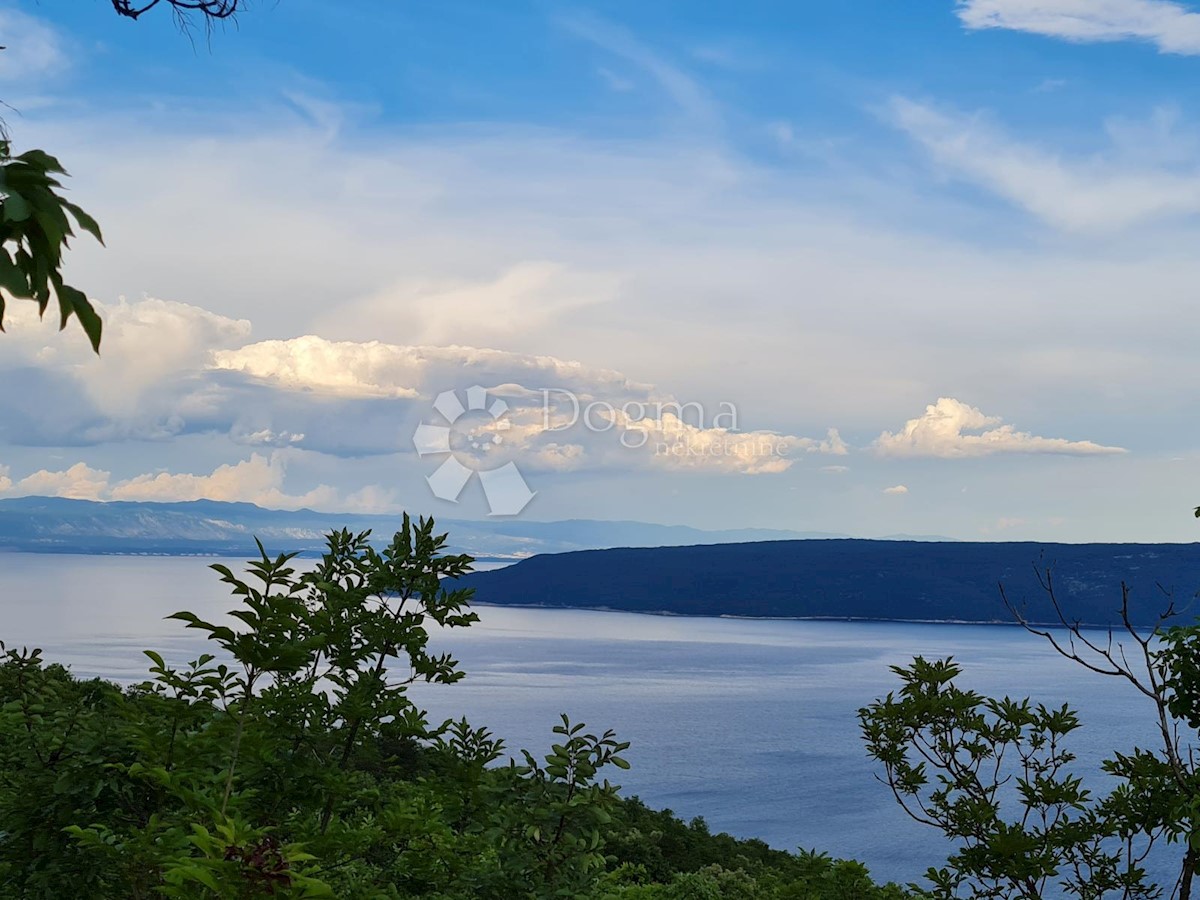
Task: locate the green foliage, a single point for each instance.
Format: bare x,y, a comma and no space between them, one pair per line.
35,228
996,777
290,762
652,854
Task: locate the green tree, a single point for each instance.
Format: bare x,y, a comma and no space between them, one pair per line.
36,226
996,775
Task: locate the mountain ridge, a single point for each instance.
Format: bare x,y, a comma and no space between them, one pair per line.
214,527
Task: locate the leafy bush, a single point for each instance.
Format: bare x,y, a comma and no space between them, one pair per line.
997,777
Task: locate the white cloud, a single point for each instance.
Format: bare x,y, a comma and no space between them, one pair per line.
618,431
1090,195
676,444
526,297
150,346
896,489
1172,27
265,437
616,82
259,479
951,429
355,398
373,369
681,88
33,49
311,363
79,482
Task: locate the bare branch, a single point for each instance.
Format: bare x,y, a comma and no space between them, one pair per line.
210,9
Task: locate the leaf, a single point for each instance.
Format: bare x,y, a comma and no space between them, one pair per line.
15,208
72,300
203,876
86,222
12,279
41,160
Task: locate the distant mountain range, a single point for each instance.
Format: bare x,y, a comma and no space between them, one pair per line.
209,527
857,579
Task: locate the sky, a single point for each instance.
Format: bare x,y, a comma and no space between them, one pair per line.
865,268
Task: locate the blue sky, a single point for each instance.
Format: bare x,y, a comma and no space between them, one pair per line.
962,235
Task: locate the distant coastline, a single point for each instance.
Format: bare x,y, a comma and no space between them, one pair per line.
668,614
858,580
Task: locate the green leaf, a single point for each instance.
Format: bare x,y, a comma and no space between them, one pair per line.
72,301
93,326
12,279
15,208
41,160
86,222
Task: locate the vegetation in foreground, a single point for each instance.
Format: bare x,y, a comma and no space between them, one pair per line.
291,763
996,775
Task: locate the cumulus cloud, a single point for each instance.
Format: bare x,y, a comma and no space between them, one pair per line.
373,369
951,429
1172,27
79,482
259,479
1084,195
311,363
361,398
896,489
149,380
560,431
679,445
264,437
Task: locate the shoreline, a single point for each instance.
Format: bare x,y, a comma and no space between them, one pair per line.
671,614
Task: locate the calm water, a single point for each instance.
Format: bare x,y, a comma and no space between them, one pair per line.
748,723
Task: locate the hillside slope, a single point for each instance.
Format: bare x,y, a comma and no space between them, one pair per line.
853,579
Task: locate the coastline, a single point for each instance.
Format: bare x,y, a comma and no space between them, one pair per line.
667,613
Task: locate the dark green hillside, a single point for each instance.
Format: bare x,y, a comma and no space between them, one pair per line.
854,579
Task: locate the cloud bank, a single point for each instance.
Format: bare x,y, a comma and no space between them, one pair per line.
259,480
950,429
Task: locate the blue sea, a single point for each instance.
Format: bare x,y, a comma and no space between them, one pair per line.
748,723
